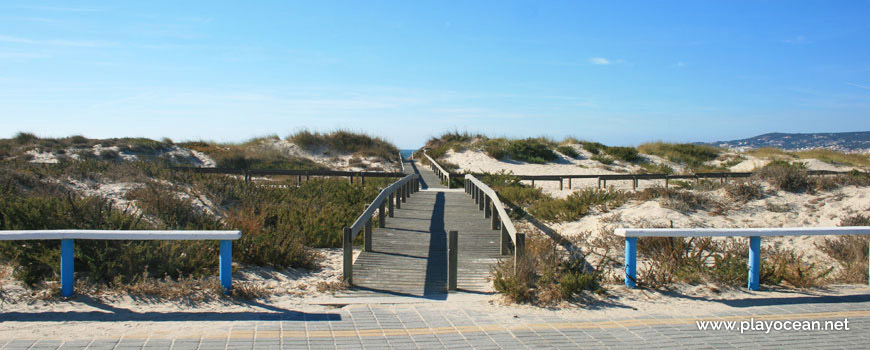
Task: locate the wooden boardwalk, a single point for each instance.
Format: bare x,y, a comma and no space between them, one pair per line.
409,254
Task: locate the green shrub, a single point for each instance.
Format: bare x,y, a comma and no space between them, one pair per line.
684,153
531,150
654,168
729,266
516,285
278,224
576,205
603,159
574,282
850,251
346,142
744,191
544,275
674,259
786,265
785,176
105,261
592,147
25,138
679,200
568,151
626,154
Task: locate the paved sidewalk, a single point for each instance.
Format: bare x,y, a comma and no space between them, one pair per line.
441,325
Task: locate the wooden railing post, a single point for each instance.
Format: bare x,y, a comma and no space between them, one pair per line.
404,194
519,249
505,240
347,271
382,216
452,259
482,201
390,204
493,222
399,198
367,245
487,205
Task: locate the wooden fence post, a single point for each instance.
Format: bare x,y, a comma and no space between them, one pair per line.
347,271
382,217
480,203
505,240
367,245
392,195
452,259
519,249
399,198
494,218
487,207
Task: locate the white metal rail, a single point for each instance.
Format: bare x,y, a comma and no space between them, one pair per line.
632,234
67,247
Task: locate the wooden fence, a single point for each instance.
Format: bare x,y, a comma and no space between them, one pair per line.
247,173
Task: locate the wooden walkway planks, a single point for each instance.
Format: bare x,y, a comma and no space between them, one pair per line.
409,256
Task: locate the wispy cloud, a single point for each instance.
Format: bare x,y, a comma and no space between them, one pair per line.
798,40
681,64
61,9
22,55
70,43
599,60
860,86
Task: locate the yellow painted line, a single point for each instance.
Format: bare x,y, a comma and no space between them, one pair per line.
511,327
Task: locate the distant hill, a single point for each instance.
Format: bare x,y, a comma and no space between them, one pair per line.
840,141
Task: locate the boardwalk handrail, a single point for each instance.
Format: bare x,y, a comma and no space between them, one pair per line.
632,234
67,248
488,201
399,190
402,162
442,174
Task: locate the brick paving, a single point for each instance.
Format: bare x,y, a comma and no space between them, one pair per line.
440,325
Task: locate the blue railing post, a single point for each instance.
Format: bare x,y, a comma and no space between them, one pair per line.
754,262
630,261
226,265
67,267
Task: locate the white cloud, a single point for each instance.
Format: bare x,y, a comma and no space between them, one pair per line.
860,86
800,39
71,43
599,60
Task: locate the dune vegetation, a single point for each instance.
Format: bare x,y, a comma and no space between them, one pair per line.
280,224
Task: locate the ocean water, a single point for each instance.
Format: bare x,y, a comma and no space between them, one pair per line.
406,152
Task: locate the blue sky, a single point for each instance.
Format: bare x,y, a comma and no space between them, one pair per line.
408,70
